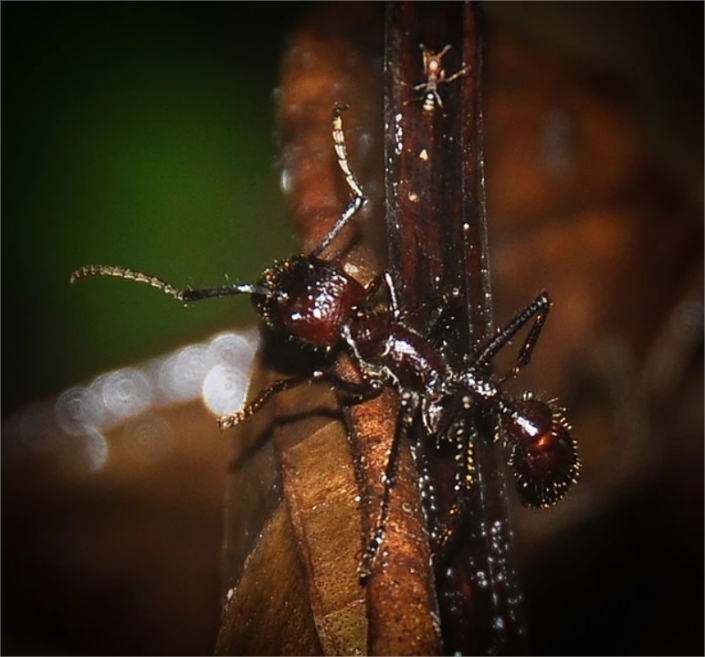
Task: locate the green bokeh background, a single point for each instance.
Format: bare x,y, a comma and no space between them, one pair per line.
138,134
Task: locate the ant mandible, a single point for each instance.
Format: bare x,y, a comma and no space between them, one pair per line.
316,303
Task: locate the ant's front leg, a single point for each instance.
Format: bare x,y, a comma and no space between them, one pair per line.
365,390
538,309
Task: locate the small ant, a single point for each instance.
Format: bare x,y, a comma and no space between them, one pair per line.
435,75
314,302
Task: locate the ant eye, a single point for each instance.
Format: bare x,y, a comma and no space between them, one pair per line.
544,454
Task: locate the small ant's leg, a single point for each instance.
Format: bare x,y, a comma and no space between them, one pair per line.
413,87
455,76
538,308
350,387
404,421
358,196
186,295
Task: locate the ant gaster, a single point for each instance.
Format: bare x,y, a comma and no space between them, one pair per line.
314,302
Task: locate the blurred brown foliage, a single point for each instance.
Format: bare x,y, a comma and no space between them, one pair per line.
594,185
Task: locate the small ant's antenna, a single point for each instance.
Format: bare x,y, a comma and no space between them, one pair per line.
428,54
186,295
358,196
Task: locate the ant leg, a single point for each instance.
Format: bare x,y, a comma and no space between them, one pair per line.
186,295
404,421
359,389
227,421
413,87
358,197
427,490
464,481
455,76
538,308
367,369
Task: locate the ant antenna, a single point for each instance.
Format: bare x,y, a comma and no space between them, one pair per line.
186,295
358,196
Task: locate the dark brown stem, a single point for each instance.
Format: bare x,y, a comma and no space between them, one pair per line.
438,241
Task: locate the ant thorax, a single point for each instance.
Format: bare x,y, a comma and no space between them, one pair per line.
403,355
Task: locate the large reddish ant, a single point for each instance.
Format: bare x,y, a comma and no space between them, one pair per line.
314,302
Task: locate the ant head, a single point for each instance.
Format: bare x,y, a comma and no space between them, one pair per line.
308,298
544,454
